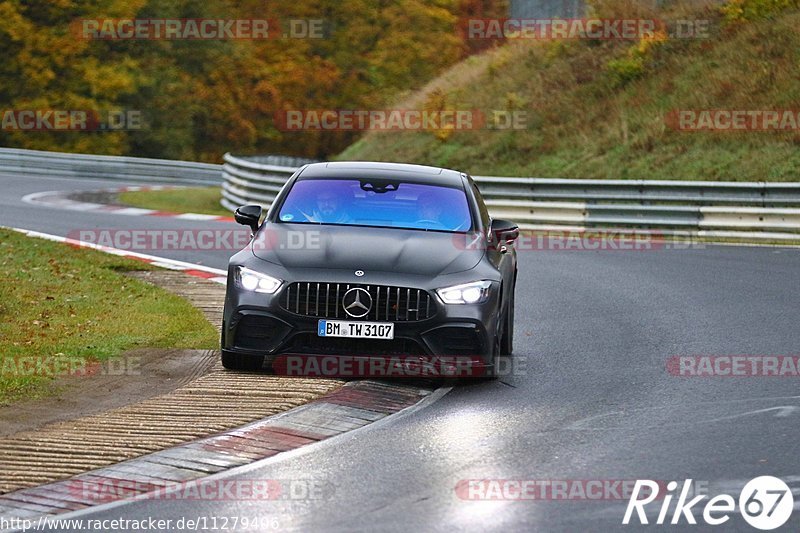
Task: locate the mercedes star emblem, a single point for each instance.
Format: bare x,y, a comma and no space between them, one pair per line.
359,273
357,302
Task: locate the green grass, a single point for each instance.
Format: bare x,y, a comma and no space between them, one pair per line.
75,304
586,120
204,200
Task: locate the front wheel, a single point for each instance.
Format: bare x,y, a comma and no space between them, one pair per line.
493,372
507,338
235,361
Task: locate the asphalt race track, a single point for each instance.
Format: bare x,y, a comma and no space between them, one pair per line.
591,398
15,213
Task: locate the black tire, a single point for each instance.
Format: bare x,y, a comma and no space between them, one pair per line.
236,361
507,339
492,372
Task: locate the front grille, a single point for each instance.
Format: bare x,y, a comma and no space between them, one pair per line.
389,304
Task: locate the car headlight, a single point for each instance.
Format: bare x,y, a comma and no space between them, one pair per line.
468,293
250,280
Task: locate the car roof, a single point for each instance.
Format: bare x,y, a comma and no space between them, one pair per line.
370,169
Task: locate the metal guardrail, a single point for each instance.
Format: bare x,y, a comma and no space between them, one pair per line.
255,180
746,210
39,163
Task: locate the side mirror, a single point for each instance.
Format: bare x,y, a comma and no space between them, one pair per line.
504,231
248,215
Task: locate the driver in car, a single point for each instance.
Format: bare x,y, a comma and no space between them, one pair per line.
429,211
329,209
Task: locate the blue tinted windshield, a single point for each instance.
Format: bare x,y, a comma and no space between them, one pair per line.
393,204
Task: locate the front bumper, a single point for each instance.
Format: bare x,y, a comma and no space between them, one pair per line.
464,335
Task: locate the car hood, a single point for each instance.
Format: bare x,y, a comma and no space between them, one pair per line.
427,253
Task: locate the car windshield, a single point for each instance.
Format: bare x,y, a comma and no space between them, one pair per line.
385,203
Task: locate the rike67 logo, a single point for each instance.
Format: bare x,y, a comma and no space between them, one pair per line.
765,503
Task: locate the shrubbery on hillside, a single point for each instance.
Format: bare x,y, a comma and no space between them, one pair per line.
201,98
607,108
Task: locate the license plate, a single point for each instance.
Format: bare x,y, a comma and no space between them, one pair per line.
355,330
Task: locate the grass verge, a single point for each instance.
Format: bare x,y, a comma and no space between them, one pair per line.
204,200
61,305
